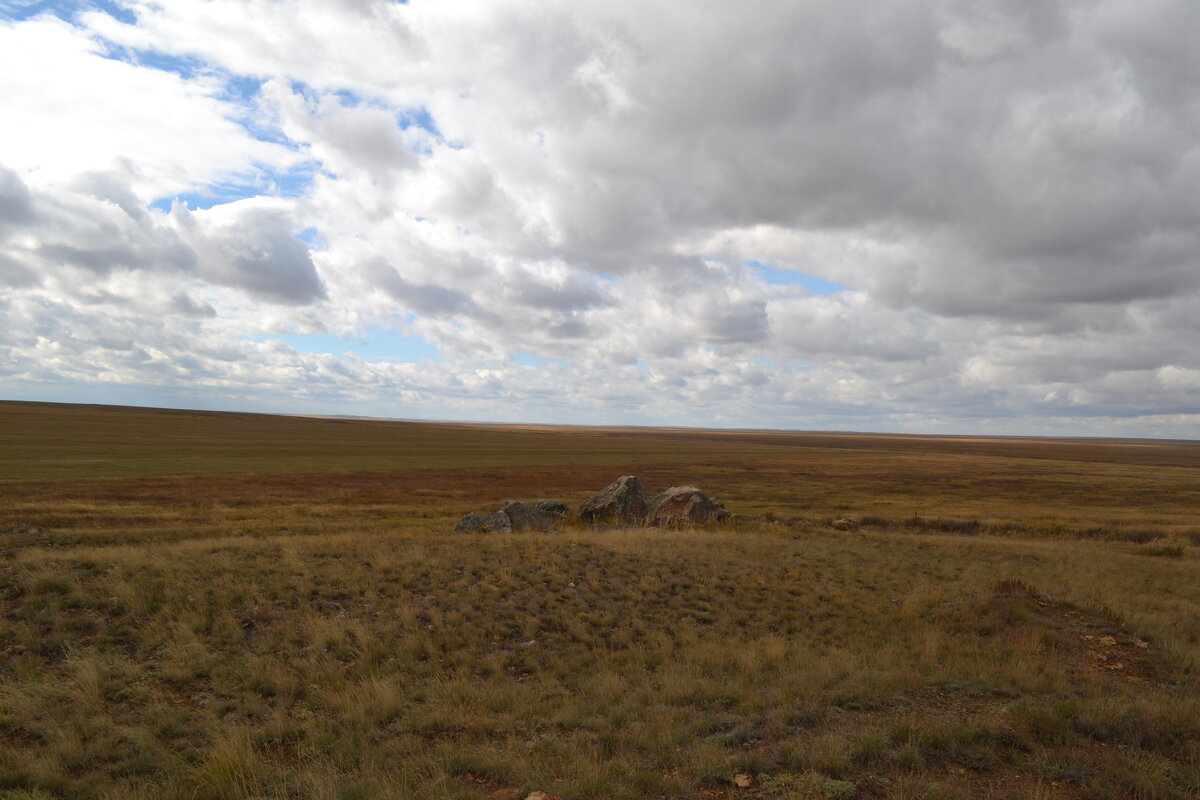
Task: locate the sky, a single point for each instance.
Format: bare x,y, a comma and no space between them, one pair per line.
923,216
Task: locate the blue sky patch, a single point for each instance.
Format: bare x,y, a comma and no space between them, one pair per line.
18,10
238,90
293,182
313,238
241,89
348,98
789,277
418,117
65,10
372,344
116,11
186,67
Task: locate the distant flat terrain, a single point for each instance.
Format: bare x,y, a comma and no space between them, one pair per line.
142,459
55,440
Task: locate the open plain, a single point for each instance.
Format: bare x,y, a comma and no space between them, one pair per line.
207,605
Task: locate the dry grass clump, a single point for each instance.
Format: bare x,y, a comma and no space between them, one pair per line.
590,665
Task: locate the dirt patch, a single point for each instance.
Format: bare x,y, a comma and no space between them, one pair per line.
954,699
1093,639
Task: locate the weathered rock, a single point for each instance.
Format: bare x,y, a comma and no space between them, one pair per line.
847,524
496,522
523,516
515,516
471,523
623,501
685,505
554,509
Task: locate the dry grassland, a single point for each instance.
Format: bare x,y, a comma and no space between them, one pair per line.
229,606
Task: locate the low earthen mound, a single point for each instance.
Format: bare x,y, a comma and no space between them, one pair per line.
685,505
622,501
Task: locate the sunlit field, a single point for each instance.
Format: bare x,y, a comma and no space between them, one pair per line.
201,605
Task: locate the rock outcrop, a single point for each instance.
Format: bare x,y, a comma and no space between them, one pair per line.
620,505
515,516
526,517
685,505
554,509
622,501
495,522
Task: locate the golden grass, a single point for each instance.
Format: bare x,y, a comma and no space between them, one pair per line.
323,635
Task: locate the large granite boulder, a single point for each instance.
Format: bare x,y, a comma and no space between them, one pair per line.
623,501
685,505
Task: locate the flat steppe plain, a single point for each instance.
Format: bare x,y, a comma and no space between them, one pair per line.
207,605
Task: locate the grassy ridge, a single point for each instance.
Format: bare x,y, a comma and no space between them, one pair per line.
1015,618
55,441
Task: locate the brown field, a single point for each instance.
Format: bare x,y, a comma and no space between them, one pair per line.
204,605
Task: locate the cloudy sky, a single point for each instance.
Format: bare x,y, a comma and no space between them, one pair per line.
917,215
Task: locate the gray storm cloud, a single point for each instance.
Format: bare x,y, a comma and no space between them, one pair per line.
16,202
253,249
96,225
